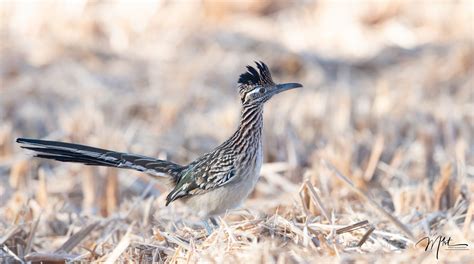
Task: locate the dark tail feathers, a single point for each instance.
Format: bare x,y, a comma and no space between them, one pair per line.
68,152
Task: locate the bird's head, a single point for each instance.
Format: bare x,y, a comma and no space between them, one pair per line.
257,87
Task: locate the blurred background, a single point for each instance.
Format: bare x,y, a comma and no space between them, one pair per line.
387,100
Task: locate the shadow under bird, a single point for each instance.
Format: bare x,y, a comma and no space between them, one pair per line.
215,182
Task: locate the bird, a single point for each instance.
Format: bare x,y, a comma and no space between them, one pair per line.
214,183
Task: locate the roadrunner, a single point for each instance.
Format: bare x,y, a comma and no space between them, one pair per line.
214,183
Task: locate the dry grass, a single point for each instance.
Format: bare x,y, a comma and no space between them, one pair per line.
373,154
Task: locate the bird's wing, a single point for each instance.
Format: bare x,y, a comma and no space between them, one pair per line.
212,171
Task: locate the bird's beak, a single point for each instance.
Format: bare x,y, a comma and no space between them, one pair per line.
285,86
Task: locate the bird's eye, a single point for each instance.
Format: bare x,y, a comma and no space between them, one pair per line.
262,90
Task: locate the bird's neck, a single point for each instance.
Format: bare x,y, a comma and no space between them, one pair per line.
250,127
251,117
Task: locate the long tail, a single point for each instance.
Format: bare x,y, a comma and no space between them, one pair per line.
68,152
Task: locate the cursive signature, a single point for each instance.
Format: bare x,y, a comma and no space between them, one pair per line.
439,242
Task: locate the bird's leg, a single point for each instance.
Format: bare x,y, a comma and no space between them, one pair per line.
208,228
214,224
214,221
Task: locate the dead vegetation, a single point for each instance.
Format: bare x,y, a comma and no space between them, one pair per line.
373,154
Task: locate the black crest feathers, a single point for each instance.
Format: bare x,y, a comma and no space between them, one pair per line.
254,77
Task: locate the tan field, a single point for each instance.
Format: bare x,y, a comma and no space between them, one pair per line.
374,154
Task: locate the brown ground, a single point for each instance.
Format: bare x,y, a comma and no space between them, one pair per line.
380,137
